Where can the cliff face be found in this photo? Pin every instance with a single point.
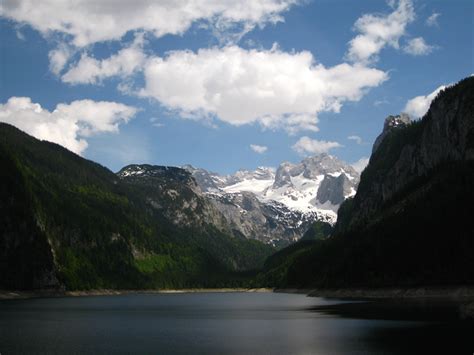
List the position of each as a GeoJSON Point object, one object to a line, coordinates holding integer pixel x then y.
{"type": "Point", "coordinates": [278, 206]}
{"type": "Point", "coordinates": [410, 222]}
{"type": "Point", "coordinates": [334, 189]}
{"type": "Point", "coordinates": [174, 193]}
{"type": "Point", "coordinates": [272, 223]}
{"type": "Point", "coordinates": [407, 152]}
{"type": "Point", "coordinates": [391, 124]}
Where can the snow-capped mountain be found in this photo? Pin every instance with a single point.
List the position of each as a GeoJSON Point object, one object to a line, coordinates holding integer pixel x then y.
{"type": "Point", "coordinates": [215, 183]}
{"type": "Point", "coordinates": [286, 200]}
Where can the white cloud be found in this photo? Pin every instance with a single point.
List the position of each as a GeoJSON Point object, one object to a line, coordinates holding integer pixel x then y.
{"type": "Point", "coordinates": [433, 20]}
{"type": "Point", "coordinates": [91, 71]}
{"type": "Point", "coordinates": [378, 31]}
{"type": "Point", "coordinates": [360, 165]}
{"type": "Point", "coordinates": [260, 149]}
{"type": "Point", "coordinates": [58, 58]}
{"type": "Point", "coordinates": [417, 46]}
{"type": "Point", "coordinates": [307, 145]}
{"type": "Point", "coordinates": [355, 138]}
{"type": "Point", "coordinates": [273, 88]}
{"type": "Point", "coordinates": [418, 106]}
{"type": "Point", "coordinates": [89, 22]}
{"type": "Point", "coordinates": [67, 124]}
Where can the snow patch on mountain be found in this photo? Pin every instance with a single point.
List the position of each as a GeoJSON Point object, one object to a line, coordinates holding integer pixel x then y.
{"type": "Point", "coordinates": [316, 186]}
{"type": "Point", "coordinates": [252, 185]}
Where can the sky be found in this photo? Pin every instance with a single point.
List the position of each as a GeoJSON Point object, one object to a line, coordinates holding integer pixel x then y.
{"type": "Point", "coordinates": [225, 85]}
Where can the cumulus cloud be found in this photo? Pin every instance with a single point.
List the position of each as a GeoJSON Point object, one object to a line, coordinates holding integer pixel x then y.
{"type": "Point", "coordinates": [260, 149]}
{"type": "Point", "coordinates": [355, 138]}
{"type": "Point", "coordinates": [306, 145]}
{"type": "Point", "coordinates": [89, 22]}
{"type": "Point", "coordinates": [433, 20]}
{"type": "Point", "coordinates": [377, 31]}
{"type": "Point", "coordinates": [417, 46]}
{"type": "Point", "coordinates": [91, 71]}
{"type": "Point", "coordinates": [418, 106]}
{"type": "Point", "coordinates": [68, 124]}
{"type": "Point", "coordinates": [273, 88]}
{"type": "Point", "coordinates": [360, 164]}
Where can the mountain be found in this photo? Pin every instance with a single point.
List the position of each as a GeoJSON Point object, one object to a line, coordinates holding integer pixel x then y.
{"type": "Point", "coordinates": [391, 124]}
{"type": "Point", "coordinates": [173, 193]}
{"type": "Point", "coordinates": [410, 222]}
{"type": "Point", "coordinates": [67, 222]}
{"type": "Point", "coordinates": [278, 207]}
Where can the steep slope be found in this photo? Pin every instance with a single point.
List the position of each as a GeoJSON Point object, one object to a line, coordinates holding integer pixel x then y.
{"type": "Point", "coordinates": [318, 184]}
{"type": "Point", "coordinates": [173, 193]}
{"type": "Point", "coordinates": [409, 157]}
{"type": "Point", "coordinates": [277, 207]}
{"type": "Point", "coordinates": [275, 270]}
{"type": "Point", "coordinates": [410, 223]}
{"type": "Point", "coordinates": [68, 222]}
{"type": "Point", "coordinates": [272, 222]}
{"type": "Point", "coordinates": [391, 124]}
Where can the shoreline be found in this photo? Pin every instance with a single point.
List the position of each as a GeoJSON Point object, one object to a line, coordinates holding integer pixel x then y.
{"type": "Point", "coordinates": [452, 293]}
{"type": "Point", "coordinates": [433, 292]}
{"type": "Point", "coordinates": [13, 294]}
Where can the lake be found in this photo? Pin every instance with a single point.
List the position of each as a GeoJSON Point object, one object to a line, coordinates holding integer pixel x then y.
{"type": "Point", "coordinates": [222, 323]}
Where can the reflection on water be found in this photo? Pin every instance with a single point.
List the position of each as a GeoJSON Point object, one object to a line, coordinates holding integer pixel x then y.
{"type": "Point", "coordinates": [240, 323]}
{"type": "Point", "coordinates": [419, 326]}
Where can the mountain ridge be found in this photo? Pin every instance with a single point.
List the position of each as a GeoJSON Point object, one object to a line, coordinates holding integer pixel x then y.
{"type": "Point", "coordinates": [410, 222]}
{"type": "Point", "coordinates": [69, 222]}
{"type": "Point", "coordinates": [281, 204]}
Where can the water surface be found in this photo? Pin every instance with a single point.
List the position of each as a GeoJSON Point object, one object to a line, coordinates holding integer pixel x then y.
{"type": "Point", "coordinates": [219, 323]}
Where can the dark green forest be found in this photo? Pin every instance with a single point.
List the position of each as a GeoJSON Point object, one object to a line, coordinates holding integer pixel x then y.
{"type": "Point", "coordinates": [423, 234]}
{"type": "Point", "coordinates": [69, 222]}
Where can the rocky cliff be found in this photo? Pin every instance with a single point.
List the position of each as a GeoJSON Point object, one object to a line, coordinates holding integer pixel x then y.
{"type": "Point", "coordinates": [277, 207]}
{"type": "Point", "coordinates": [407, 152]}
{"type": "Point", "coordinates": [174, 193]}
{"type": "Point", "coordinates": [410, 222]}
{"type": "Point", "coordinates": [392, 123]}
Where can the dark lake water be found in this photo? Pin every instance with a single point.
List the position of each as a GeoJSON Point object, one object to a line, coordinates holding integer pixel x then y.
{"type": "Point", "coordinates": [224, 323]}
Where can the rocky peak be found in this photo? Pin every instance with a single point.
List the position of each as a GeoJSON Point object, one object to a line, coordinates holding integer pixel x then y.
{"type": "Point", "coordinates": [162, 173]}
{"type": "Point", "coordinates": [323, 164]}
{"type": "Point", "coordinates": [443, 137]}
{"type": "Point", "coordinates": [335, 189]}
{"type": "Point", "coordinates": [153, 171]}
{"type": "Point", "coordinates": [206, 180]}
{"type": "Point", "coordinates": [246, 197]}
{"type": "Point", "coordinates": [396, 121]}
{"type": "Point", "coordinates": [264, 173]}
{"type": "Point", "coordinates": [261, 173]}
{"type": "Point", "coordinates": [283, 175]}
{"type": "Point", "coordinates": [312, 168]}
{"type": "Point", "coordinates": [391, 123]}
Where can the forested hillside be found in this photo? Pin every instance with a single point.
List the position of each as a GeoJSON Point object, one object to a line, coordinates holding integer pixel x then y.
{"type": "Point", "coordinates": [69, 222]}
{"type": "Point", "coordinates": [411, 221]}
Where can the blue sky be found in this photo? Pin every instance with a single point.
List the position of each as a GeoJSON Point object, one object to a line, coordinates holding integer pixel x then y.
{"type": "Point", "coordinates": [203, 84]}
